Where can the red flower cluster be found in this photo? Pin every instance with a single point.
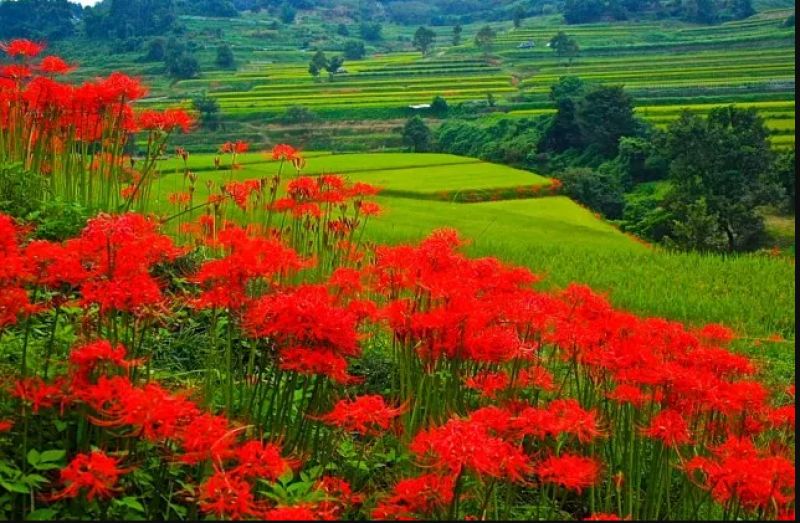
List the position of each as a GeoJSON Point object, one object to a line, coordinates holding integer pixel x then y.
{"type": "Point", "coordinates": [368, 415]}
{"type": "Point", "coordinates": [737, 470]}
{"type": "Point", "coordinates": [95, 474]}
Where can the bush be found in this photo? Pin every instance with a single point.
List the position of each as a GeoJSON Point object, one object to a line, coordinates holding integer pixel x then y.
{"type": "Point", "coordinates": [298, 114]}
{"type": "Point", "coordinates": [20, 190]}
{"type": "Point", "coordinates": [599, 190]}
{"type": "Point", "coordinates": [354, 50]}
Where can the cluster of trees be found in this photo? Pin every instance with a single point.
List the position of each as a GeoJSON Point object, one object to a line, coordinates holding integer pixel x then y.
{"type": "Point", "coordinates": [124, 19]}
{"type": "Point", "coordinates": [713, 176]}
{"type": "Point", "coordinates": [699, 11]}
{"type": "Point", "coordinates": [179, 58]}
{"type": "Point", "coordinates": [48, 20]}
{"type": "Point", "coordinates": [320, 62]}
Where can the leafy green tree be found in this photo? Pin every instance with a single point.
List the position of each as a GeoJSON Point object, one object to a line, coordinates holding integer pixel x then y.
{"type": "Point", "coordinates": [354, 50]}
{"type": "Point", "coordinates": [519, 15]}
{"type": "Point", "coordinates": [604, 115]}
{"type": "Point", "coordinates": [564, 132]}
{"type": "Point", "coordinates": [723, 160]}
{"type": "Point", "coordinates": [583, 11]}
{"type": "Point", "coordinates": [48, 20]}
{"type": "Point", "coordinates": [598, 189]}
{"type": "Point", "coordinates": [697, 230]}
{"type": "Point", "coordinates": [371, 31]}
{"type": "Point", "coordinates": [490, 100]}
{"type": "Point", "coordinates": [417, 136]}
{"type": "Point", "coordinates": [785, 174]}
{"type": "Point", "coordinates": [342, 30]}
{"type": "Point", "coordinates": [439, 105]}
{"type": "Point", "coordinates": [564, 46]}
{"type": "Point", "coordinates": [287, 14]}
{"type": "Point", "coordinates": [457, 30]}
{"type": "Point", "coordinates": [298, 114]}
{"type": "Point", "coordinates": [156, 50]}
{"type": "Point", "coordinates": [334, 64]}
{"type": "Point", "coordinates": [319, 62]}
{"type": "Point", "coordinates": [121, 19]}
{"type": "Point", "coordinates": [485, 38]}
{"type": "Point", "coordinates": [208, 111]}
{"type": "Point", "coordinates": [225, 58]}
{"type": "Point", "coordinates": [423, 40]}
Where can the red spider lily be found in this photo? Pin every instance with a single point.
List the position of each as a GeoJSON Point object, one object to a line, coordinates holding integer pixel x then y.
{"type": "Point", "coordinates": [165, 121]}
{"type": "Point", "coordinates": [179, 198]}
{"type": "Point", "coordinates": [240, 191]}
{"type": "Point", "coordinates": [783, 416]}
{"type": "Point", "coordinates": [227, 496]}
{"type": "Point", "coordinates": [119, 252]}
{"type": "Point", "coordinates": [87, 358]}
{"type": "Point", "coordinates": [38, 394]}
{"type": "Point", "coordinates": [316, 362]}
{"type": "Point", "coordinates": [297, 513]}
{"type": "Point", "coordinates": [152, 413]}
{"type": "Point", "coordinates": [225, 280]}
{"type": "Point", "coordinates": [6, 425]}
{"type": "Point", "coordinates": [601, 516]}
{"type": "Point", "coordinates": [206, 437]}
{"type": "Point", "coordinates": [367, 415]}
{"type": "Point", "coordinates": [55, 65]}
{"type": "Point", "coordinates": [464, 444]}
{"type": "Point", "coordinates": [284, 152]}
{"type": "Point", "coordinates": [669, 427]}
{"type": "Point", "coordinates": [238, 147]}
{"type": "Point", "coordinates": [260, 460]}
{"type": "Point", "coordinates": [738, 471]}
{"type": "Point", "coordinates": [305, 316]}
{"type": "Point", "coordinates": [624, 393]}
{"type": "Point", "coordinates": [489, 383]}
{"type": "Point", "coordinates": [22, 47]}
{"type": "Point", "coordinates": [339, 497]}
{"type": "Point", "coordinates": [53, 265]}
{"type": "Point", "coordinates": [570, 471]}
{"type": "Point", "coordinates": [369, 209]}
{"type": "Point", "coordinates": [95, 474]}
{"type": "Point", "coordinates": [416, 497]}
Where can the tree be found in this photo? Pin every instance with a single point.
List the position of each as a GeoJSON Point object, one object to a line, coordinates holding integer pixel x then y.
{"type": "Point", "coordinates": [342, 30]}
{"type": "Point", "coordinates": [564, 132]}
{"type": "Point", "coordinates": [564, 46]}
{"type": "Point", "coordinates": [183, 65]}
{"type": "Point", "coordinates": [334, 64]}
{"type": "Point", "coordinates": [490, 100]}
{"type": "Point", "coordinates": [604, 115]}
{"type": "Point", "coordinates": [156, 50]}
{"type": "Point", "coordinates": [583, 11]}
{"type": "Point", "coordinates": [785, 174]}
{"type": "Point", "coordinates": [599, 190]}
{"type": "Point", "coordinates": [417, 136]}
{"type": "Point", "coordinates": [485, 38]}
{"type": "Point", "coordinates": [47, 20]}
{"type": "Point", "coordinates": [742, 9]}
{"type": "Point", "coordinates": [457, 30]}
{"type": "Point", "coordinates": [439, 105]}
{"type": "Point", "coordinates": [225, 58]}
{"type": "Point", "coordinates": [208, 109]}
{"type": "Point", "coordinates": [723, 160]}
{"type": "Point", "coordinates": [287, 14]}
{"type": "Point", "coordinates": [354, 50]}
{"type": "Point", "coordinates": [519, 15]}
{"type": "Point", "coordinates": [298, 114]}
{"type": "Point", "coordinates": [121, 19]}
{"type": "Point", "coordinates": [371, 31]}
{"type": "Point", "coordinates": [319, 62]}
{"type": "Point", "coordinates": [423, 40]}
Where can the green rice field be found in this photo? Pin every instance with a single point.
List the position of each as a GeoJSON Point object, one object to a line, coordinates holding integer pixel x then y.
{"type": "Point", "coordinates": [554, 236]}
